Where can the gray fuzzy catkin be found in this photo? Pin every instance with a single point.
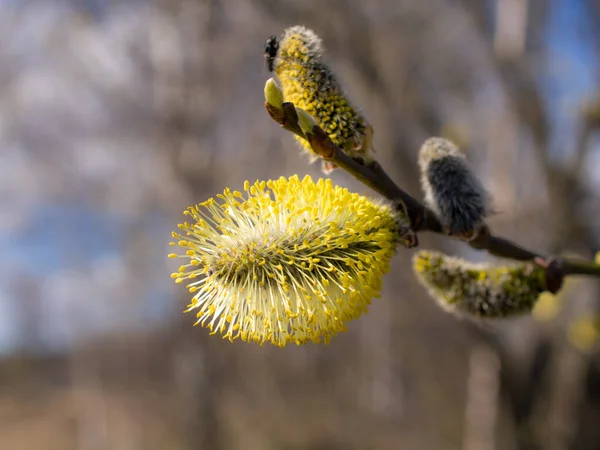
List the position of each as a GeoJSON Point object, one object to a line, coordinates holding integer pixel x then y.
{"type": "Point", "coordinates": [451, 188]}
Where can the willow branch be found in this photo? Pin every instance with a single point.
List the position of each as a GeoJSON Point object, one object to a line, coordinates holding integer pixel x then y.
{"type": "Point", "coordinates": [421, 218]}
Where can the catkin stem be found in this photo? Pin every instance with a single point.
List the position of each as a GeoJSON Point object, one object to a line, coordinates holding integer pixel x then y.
{"type": "Point", "coordinates": [574, 267]}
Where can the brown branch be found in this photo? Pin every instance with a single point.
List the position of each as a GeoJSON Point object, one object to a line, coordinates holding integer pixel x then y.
{"type": "Point", "coordinates": [501, 247]}
{"type": "Point", "coordinates": [373, 175]}
{"type": "Point", "coordinates": [421, 217]}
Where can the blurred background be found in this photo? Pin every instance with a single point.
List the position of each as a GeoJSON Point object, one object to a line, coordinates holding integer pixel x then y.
{"type": "Point", "coordinates": [116, 115]}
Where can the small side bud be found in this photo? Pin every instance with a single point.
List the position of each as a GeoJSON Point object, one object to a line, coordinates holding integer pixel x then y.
{"type": "Point", "coordinates": [306, 121]}
{"type": "Point", "coordinates": [452, 190]}
{"type": "Point", "coordinates": [478, 290]}
{"type": "Point", "coordinates": [273, 94]}
{"type": "Point", "coordinates": [405, 235]}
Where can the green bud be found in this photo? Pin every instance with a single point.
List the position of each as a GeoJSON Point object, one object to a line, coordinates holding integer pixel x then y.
{"type": "Point", "coordinates": [273, 94]}
{"type": "Point", "coordinates": [306, 121]}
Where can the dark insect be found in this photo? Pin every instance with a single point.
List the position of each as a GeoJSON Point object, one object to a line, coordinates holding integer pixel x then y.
{"type": "Point", "coordinates": [271, 47]}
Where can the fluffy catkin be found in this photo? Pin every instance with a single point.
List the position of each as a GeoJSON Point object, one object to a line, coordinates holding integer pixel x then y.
{"type": "Point", "coordinates": [287, 261]}
{"type": "Point", "coordinates": [479, 290]}
{"type": "Point", "coordinates": [451, 188]}
{"type": "Point", "coordinates": [311, 85]}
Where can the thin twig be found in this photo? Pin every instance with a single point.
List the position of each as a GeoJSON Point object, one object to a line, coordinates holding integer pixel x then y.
{"type": "Point", "coordinates": [421, 217]}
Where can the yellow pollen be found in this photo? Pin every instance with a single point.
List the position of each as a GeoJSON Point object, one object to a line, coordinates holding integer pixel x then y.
{"type": "Point", "coordinates": [286, 261]}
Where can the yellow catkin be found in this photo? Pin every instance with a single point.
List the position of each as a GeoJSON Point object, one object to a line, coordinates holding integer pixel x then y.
{"type": "Point", "coordinates": [479, 290]}
{"type": "Point", "coordinates": [287, 261]}
{"type": "Point", "coordinates": [310, 84]}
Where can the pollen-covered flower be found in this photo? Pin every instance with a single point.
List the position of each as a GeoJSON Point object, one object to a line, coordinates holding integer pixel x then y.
{"type": "Point", "coordinates": [311, 85]}
{"type": "Point", "coordinates": [289, 260]}
{"type": "Point", "coordinates": [477, 289]}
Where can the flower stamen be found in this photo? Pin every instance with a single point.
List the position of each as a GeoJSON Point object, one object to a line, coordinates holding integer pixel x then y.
{"type": "Point", "coordinates": [288, 262]}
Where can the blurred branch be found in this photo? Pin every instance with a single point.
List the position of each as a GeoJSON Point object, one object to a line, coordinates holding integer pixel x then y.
{"type": "Point", "coordinates": [589, 123]}
{"type": "Point", "coordinates": [562, 182]}
{"type": "Point", "coordinates": [421, 217]}
{"type": "Point", "coordinates": [511, 27]}
{"type": "Point", "coordinates": [482, 402]}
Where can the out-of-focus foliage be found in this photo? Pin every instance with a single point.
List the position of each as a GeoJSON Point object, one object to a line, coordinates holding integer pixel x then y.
{"type": "Point", "coordinates": [115, 116]}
